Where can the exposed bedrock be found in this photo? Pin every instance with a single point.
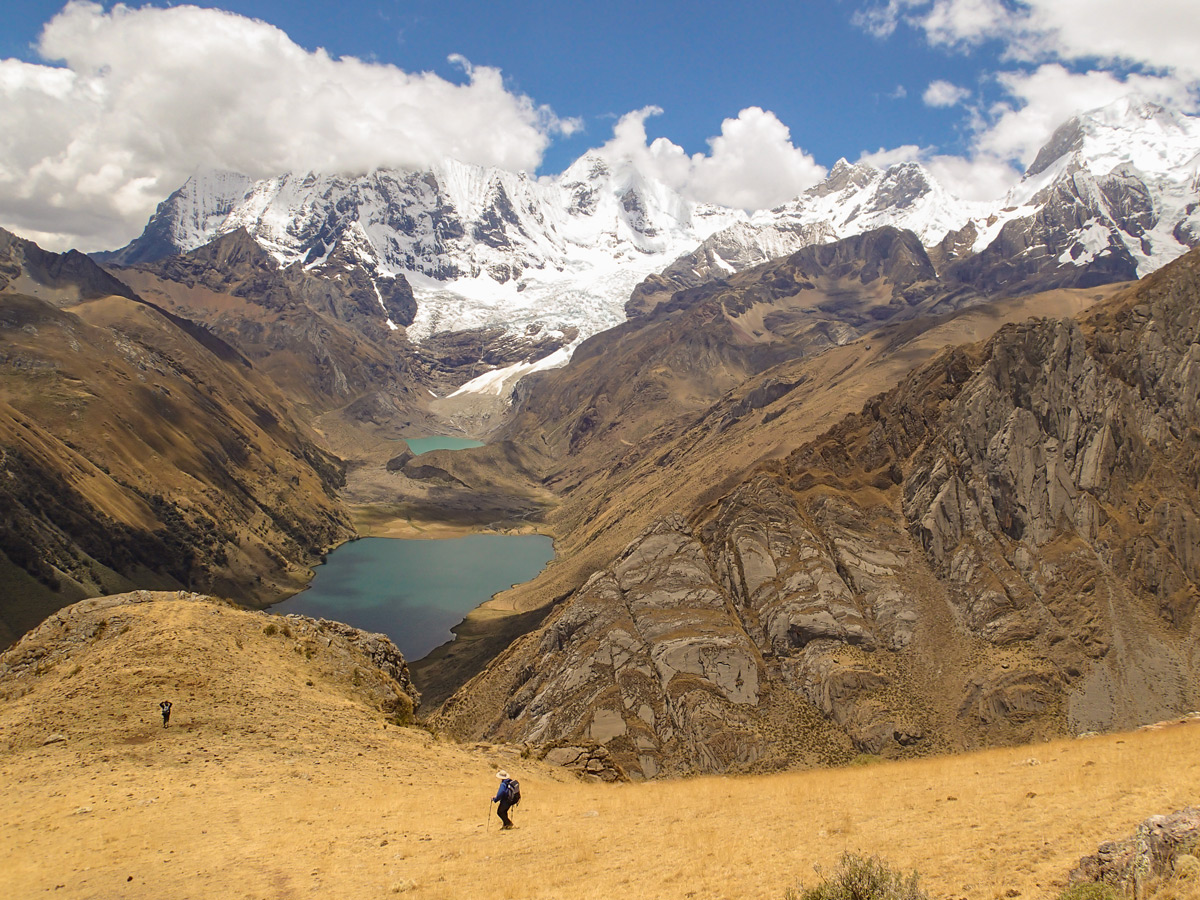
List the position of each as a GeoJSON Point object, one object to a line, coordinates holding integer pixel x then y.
{"type": "Point", "coordinates": [1004, 547]}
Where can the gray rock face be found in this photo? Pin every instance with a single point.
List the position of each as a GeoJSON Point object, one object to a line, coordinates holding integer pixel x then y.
{"type": "Point", "coordinates": [1004, 547]}
{"type": "Point", "coordinates": [1047, 249]}
{"type": "Point", "coordinates": [1152, 851]}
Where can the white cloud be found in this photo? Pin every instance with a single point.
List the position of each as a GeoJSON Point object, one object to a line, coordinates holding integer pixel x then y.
{"type": "Point", "coordinates": [1046, 97]}
{"type": "Point", "coordinates": [966, 21]}
{"type": "Point", "coordinates": [1160, 34]}
{"type": "Point", "coordinates": [944, 93]}
{"type": "Point", "coordinates": [143, 97]}
{"type": "Point", "coordinates": [1044, 45]}
{"type": "Point", "coordinates": [980, 177]}
{"type": "Point", "coordinates": [751, 164]}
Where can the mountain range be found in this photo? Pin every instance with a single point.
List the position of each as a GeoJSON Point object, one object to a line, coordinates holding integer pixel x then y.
{"type": "Point", "coordinates": [877, 472]}
{"type": "Point", "coordinates": [1110, 197]}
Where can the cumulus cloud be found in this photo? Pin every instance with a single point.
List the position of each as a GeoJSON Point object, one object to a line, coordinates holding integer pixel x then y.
{"type": "Point", "coordinates": [140, 98]}
{"type": "Point", "coordinates": [1061, 57]}
{"type": "Point", "coordinates": [1044, 98]}
{"type": "Point", "coordinates": [751, 164]}
{"type": "Point", "coordinates": [944, 93]}
{"type": "Point", "coordinates": [982, 177]}
{"type": "Point", "coordinates": [1159, 34]}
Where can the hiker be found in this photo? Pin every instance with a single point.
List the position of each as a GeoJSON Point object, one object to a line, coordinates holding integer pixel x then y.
{"type": "Point", "coordinates": [165, 706]}
{"type": "Point", "coordinates": [508, 796]}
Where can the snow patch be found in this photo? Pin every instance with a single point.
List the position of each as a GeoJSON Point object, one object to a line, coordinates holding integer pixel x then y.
{"type": "Point", "coordinates": [500, 382]}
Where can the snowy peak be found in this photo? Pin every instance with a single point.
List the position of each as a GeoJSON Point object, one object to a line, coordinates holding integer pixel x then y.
{"type": "Point", "coordinates": [482, 248]}
{"type": "Point", "coordinates": [1132, 131]}
{"type": "Point", "coordinates": [842, 177]}
{"type": "Point", "coordinates": [1114, 193]}
{"type": "Point", "coordinates": [1067, 138]}
{"type": "Point", "coordinates": [857, 198]}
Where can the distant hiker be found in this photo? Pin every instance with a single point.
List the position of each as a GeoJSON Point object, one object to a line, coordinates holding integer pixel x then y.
{"type": "Point", "coordinates": [508, 796]}
{"type": "Point", "coordinates": [165, 706]}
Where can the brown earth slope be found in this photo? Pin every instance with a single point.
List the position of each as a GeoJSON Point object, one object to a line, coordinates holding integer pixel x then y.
{"type": "Point", "coordinates": [140, 450]}
{"type": "Point", "coordinates": [280, 776]}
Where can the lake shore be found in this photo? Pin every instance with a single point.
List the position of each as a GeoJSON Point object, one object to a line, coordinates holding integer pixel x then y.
{"type": "Point", "coordinates": [375, 520]}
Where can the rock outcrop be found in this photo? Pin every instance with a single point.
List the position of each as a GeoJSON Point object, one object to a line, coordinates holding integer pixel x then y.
{"type": "Point", "coordinates": [1157, 848]}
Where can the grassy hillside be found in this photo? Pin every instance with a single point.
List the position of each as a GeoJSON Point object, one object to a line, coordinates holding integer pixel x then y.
{"type": "Point", "coordinates": [281, 777]}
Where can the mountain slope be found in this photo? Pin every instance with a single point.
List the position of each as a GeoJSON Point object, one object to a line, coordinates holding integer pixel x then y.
{"type": "Point", "coordinates": [141, 450]}
{"type": "Point", "coordinates": [662, 369]}
{"type": "Point", "coordinates": [998, 549]}
{"type": "Point", "coordinates": [281, 776]}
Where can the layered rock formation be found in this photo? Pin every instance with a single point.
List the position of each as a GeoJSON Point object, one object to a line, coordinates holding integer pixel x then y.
{"type": "Point", "coordinates": [1001, 548]}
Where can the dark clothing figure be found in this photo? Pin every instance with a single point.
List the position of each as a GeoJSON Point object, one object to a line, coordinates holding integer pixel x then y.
{"type": "Point", "coordinates": [504, 799]}
{"type": "Point", "coordinates": [165, 706]}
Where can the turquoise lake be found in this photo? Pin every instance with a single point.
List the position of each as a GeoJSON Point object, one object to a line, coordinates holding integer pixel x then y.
{"type": "Point", "coordinates": [425, 444]}
{"type": "Point", "coordinates": [416, 591]}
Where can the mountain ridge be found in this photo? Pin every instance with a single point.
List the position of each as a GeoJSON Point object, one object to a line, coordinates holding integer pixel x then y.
{"type": "Point", "coordinates": [490, 249]}
{"type": "Point", "coordinates": [965, 560]}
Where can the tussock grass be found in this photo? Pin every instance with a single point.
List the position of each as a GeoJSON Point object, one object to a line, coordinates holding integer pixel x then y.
{"type": "Point", "coordinates": [274, 781]}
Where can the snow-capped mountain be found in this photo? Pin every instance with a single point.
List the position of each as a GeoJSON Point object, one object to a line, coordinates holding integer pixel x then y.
{"type": "Point", "coordinates": [1131, 170]}
{"type": "Point", "coordinates": [1114, 194]}
{"type": "Point", "coordinates": [853, 199]}
{"type": "Point", "coordinates": [481, 247]}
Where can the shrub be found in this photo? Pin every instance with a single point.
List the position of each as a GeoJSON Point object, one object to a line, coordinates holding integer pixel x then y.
{"type": "Point", "coordinates": [863, 878]}
{"type": "Point", "coordinates": [269, 629]}
{"type": "Point", "coordinates": [1090, 890]}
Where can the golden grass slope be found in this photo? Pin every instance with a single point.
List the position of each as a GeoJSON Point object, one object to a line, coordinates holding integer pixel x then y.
{"type": "Point", "coordinates": [267, 785]}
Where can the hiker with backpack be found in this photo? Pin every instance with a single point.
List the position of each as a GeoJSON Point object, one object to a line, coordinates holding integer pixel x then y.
{"type": "Point", "coordinates": [508, 796]}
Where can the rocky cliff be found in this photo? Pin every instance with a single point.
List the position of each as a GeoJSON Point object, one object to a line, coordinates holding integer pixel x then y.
{"type": "Point", "coordinates": [1000, 548]}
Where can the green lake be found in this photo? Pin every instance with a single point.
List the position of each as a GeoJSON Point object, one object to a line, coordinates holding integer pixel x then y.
{"type": "Point", "coordinates": [425, 444]}
{"type": "Point", "coordinates": [415, 591]}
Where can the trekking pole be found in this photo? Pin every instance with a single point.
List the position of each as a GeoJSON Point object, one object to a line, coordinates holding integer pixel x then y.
{"type": "Point", "coordinates": [488, 822]}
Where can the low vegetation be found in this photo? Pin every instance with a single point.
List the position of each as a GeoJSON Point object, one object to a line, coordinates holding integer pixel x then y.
{"type": "Point", "coordinates": [859, 877]}
{"type": "Point", "coordinates": [279, 776]}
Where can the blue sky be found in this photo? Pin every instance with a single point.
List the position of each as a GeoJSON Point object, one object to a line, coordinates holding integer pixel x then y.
{"type": "Point", "coordinates": [115, 106]}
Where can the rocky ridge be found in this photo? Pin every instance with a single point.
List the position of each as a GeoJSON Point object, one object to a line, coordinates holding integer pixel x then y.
{"type": "Point", "coordinates": [999, 549]}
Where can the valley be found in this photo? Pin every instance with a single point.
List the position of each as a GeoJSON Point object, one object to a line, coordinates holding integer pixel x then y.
{"type": "Point", "coordinates": [768, 434]}
{"type": "Point", "coordinates": [851, 490]}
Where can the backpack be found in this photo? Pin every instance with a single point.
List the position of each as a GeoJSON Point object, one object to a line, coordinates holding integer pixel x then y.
{"type": "Point", "coordinates": [513, 792]}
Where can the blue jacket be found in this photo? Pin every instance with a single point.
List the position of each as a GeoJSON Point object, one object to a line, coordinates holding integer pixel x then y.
{"type": "Point", "coordinates": [502, 794]}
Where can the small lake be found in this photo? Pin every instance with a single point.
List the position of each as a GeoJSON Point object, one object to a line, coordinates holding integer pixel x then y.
{"type": "Point", "coordinates": [425, 444]}
{"type": "Point", "coordinates": [415, 591]}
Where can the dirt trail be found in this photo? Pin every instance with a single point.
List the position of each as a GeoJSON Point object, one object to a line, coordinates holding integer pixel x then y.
{"type": "Point", "coordinates": [268, 786]}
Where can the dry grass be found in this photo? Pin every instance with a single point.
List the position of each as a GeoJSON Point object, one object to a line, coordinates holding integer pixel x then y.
{"type": "Point", "coordinates": [265, 786]}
